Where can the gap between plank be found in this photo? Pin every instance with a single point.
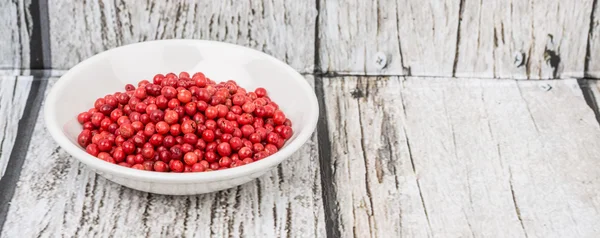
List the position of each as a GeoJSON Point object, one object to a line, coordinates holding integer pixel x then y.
{"type": "Point", "coordinates": [588, 95]}
{"type": "Point", "coordinates": [329, 196]}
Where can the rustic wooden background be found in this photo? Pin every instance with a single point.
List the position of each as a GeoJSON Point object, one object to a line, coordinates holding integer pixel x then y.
{"type": "Point", "coordinates": [417, 137]}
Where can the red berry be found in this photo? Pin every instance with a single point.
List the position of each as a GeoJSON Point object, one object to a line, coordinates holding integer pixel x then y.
{"type": "Point", "coordinates": [169, 141]}
{"type": "Point", "coordinates": [128, 147]}
{"type": "Point", "coordinates": [210, 156]}
{"type": "Point", "coordinates": [198, 167]}
{"type": "Point", "coordinates": [270, 149]}
{"type": "Point", "coordinates": [175, 130]}
{"type": "Point", "coordinates": [176, 153]}
{"type": "Point", "coordinates": [245, 119]}
{"type": "Point", "coordinates": [118, 154]}
{"type": "Point", "coordinates": [176, 166]}
{"type": "Point", "coordinates": [188, 127]}
{"type": "Point", "coordinates": [84, 138]}
{"type": "Point", "coordinates": [286, 132]}
{"type": "Point", "coordinates": [224, 149]}
{"type": "Point", "coordinates": [169, 92]}
{"type": "Point", "coordinates": [156, 115]}
{"type": "Point", "coordinates": [211, 112]}
{"type": "Point", "coordinates": [162, 127]}
{"type": "Point", "coordinates": [260, 92]}
{"type": "Point", "coordinates": [273, 138]}
{"type": "Point", "coordinates": [190, 158]}
{"type": "Point", "coordinates": [260, 155]}
{"type": "Point", "coordinates": [248, 107]}
{"type": "Point", "coordinates": [208, 135]}
{"type": "Point", "coordinates": [96, 118]}
{"type": "Point", "coordinates": [148, 153]}
{"type": "Point", "coordinates": [160, 166]}
{"type": "Point", "coordinates": [222, 110]}
{"type": "Point", "coordinates": [92, 149]}
{"type": "Point", "coordinates": [245, 152]}
{"type": "Point", "coordinates": [84, 117]}
{"type": "Point", "coordinates": [279, 117]}
{"type": "Point", "coordinates": [171, 117]}
{"type": "Point", "coordinates": [184, 96]}
{"type": "Point", "coordinates": [225, 161]}
{"type": "Point", "coordinates": [156, 139]}
{"type": "Point", "coordinates": [258, 147]}
{"type": "Point", "coordinates": [140, 93]}
{"type": "Point", "coordinates": [104, 145]}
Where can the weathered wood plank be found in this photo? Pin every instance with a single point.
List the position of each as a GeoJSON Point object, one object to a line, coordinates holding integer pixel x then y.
{"type": "Point", "coordinates": [14, 37]}
{"type": "Point", "coordinates": [284, 29]}
{"type": "Point", "coordinates": [592, 66]}
{"type": "Point", "coordinates": [463, 158]}
{"type": "Point", "coordinates": [58, 196]}
{"type": "Point", "coordinates": [523, 39]}
{"type": "Point", "coordinates": [13, 97]}
{"type": "Point", "coordinates": [496, 39]}
{"type": "Point", "coordinates": [415, 37]}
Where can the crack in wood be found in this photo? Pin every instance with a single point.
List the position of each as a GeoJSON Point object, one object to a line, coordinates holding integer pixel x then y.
{"type": "Point", "coordinates": [412, 163]}
{"type": "Point", "coordinates": [406, 69]}
{"type": "Point", "coordinates": [288, 220]}
{"type": "Point", "coordinates": [258, 194]}
{"type": "Point", "coordinates": [528, 108]}
{"type": "Point", "coordinates": [213, 212]}
{"type": "Point", "coordinates": [146, 213]}
{"type": "Point", "coordinates": [43, 230]}
{"type": "Point", "coordinates": [372, 227]}
{"type": "Point", "coordinates": [456, 48]}
{"type": "Point", "coordinates": [280, 175]}
{"type": "Point", "coordinates": [514, 200]}
{"type": "Point", "coordinates": [586, 63]}
{"type": "Point", "coordinates": [188, 204]}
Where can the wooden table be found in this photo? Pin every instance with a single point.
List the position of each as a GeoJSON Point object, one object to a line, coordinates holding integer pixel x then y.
{"type": "Point", "coordinates": [425, 129]}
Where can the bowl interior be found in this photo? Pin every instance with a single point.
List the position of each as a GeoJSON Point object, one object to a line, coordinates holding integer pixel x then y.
{"type": "Point", "coordinates": [109, 71]}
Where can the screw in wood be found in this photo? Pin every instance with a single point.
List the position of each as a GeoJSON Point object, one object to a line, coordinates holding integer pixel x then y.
{"type": "Point", "coordinates": [519, 58]}
{"type": "Point", "coordinates": [380, 60]}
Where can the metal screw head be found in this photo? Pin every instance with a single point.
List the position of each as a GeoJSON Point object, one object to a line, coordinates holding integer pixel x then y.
{"type": "Point", "coordinates": [519, 59]}
{"type": "Point", "coordinates": [380, 60]}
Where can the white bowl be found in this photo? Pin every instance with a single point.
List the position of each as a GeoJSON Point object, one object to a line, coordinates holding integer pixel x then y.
{"type": "Point", "coordinates": [109, 71]}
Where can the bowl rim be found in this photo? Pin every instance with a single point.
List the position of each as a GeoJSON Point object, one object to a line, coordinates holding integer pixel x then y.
{"type": "Point", "coordinates": [120, 171]}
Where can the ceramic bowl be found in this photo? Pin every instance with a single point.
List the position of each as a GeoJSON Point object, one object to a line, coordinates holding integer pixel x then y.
{"type": "Point", "coordinates": [110, 71]}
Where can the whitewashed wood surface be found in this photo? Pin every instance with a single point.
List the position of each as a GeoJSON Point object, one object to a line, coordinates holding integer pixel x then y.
{"type": "Point", "coordinates": [463, 158]}
{"type": "Point", "coordinates": [57, 196]}
{"type": "Point", "coordinates": [14, 37]}
{"type": "Point", "coordinates": [284, 29]}
{"type": "Point", "coordinates": [469, 38]}
{"type": "Point", "coordinates": [486, 39]}
{"type": "Point", "coordinates": [13, 97]}
{"type": "Point", "coordinates": [409, 156]}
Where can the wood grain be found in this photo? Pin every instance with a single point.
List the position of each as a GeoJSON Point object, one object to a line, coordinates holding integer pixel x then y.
{"type": "Point", "coordinates": [463, 158]}
{"type": "Point", "coordinates": [14, 37]}
{"type": "Point", "coordinates": [533, 39]}
{"type": "Point", "coordinates": [284, 29]}
{"type": "Point", "coordinates": [57, 196]}
{"type": "Point", "coordinates": [13, 97]}
{"type": "Point", "coordinates": [416, 37]}
{"type": "Point", "coordinates": [523, 39]}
